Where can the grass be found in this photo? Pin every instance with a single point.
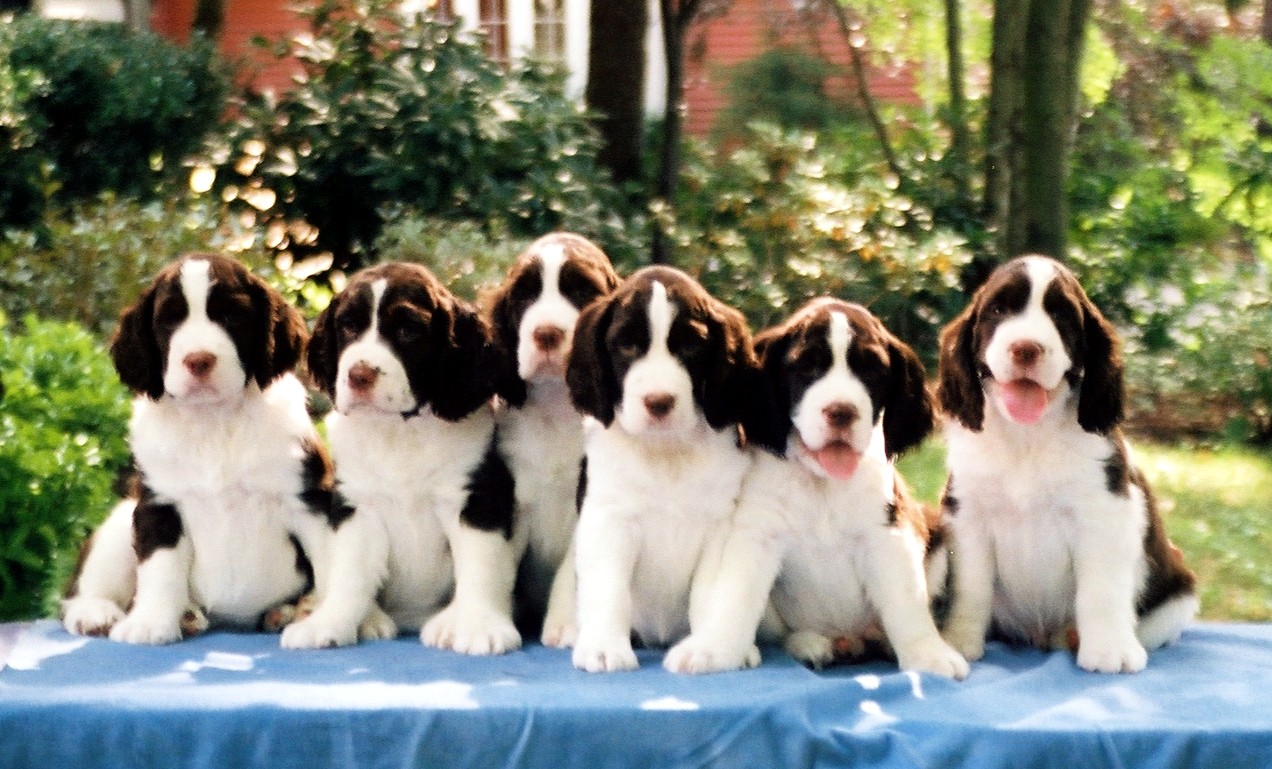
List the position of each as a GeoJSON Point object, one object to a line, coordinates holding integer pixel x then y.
{"type": "Point", "coordinates": [1217, 504]}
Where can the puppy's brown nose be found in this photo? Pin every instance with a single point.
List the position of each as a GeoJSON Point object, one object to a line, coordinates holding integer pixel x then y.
{"type": "Point", "coordinates": [362, 377]}
{"type": "Point", "coordinates": [659, 405]}
{"type": "Point", "coordinates": [840, 415]}
{"type": "Point", "coordinates": [548, 338]}
{"type": "Point", "coordinates": [199, 364]}
{"type": "Point", "coordinates": [1025, 352]}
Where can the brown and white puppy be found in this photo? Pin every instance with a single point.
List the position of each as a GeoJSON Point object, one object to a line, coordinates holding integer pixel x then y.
{"type": "Point", "coordinates": [233, 478]}
{"type": "Point", "coordinates": [539, 431]}
{"type": "Point", "coordinates": [424, 502]}
{"type": "Point", "coordinates": [1054, 529]}
{"type": "Point", "coordinates": [824, 522]}
{"type": "Point", "coordinates": [664, 369]}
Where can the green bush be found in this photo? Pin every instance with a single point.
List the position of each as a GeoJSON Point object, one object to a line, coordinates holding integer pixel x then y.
{"type": "Point", "coordinates": [780, 221]}
{"type": "Point", "coordinates": [62, 443]}
{"type": "Point", "coordinates": [785, 86]}
{"type": "Point", "coordinates": [396, 114]}
{"type": "Point", "coordinates": [97, 259]}
{"type": "Point", "coordinates": [115, 110]}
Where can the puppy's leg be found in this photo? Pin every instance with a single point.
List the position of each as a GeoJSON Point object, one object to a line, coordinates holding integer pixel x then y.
{"type": "Point", "coordinates": [163, 578]}
{"type": "Point", "coordinates": [605, 554]}
{"type": "Point", "coordinates": [559, 626]}
{"type": "Point", "coordinates": [971, 604]}
{"type": "Point", "coordinates": [729, 596]}
{"type": "Point", "coordinates": [350, 563]}
{"type": "Point", "coordinates": [897, 587]}
{"type": "Point", "coordinates": [106, 577]}
{"type": "Point", "coordinates": [1108, 568]}
{"type": "Point", "coordinates": [479, 617]}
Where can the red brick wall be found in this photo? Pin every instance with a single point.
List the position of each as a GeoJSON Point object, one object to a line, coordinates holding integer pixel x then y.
{"type": "Point", "coordinates": [244, 19]}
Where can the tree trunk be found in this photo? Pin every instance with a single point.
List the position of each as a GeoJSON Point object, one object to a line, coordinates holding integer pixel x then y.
{"type": "Point", "coordinates": [137, 15]}
{"type": "Point", "coordinates": [1037, 50]}
{"type": "Point", "coordinates": [676, 17]}
{"type": "Point", "coordinates": [959, 139]}
{"type": "Point", "coordinates": [209, 18]}
{"type": "Point", "coordinates": [616, 83]}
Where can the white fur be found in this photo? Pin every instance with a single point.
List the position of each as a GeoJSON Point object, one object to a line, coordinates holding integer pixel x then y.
{"type": "Point", "coordinates": [822, 546]}
{"type": "Point", "coordinates": [1040, 542]}
{"type": "Point", "coordinates": [405, 543]}
{"type": "Point", "coordinates": [659, 496]}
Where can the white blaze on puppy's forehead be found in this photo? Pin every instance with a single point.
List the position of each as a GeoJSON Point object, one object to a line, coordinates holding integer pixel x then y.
{"type": "Point", "coordinates": [196, 282]}
{"type": "Point", "coordinates": [1041, 272]}
{"type": "Point", "coordinates": [661, 313]}
{"type": "Point", "coordinates": [551, 257]}
{"type": "Point", "coordinates": [378, 287]}
{"type": "Point", "coordinates": [840, 338]}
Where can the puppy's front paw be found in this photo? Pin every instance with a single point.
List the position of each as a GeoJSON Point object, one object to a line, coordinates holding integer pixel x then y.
{"type": "Point", "coordinates": [318, 631]}
{"type": "Point", "coordinates": [471, 630]}
{"type": "Point", "coordinates": [968, 639]}
{"type": "Point", "coordinates": [933, 656]}
{"type": "Point", "coordinates": [604, 655]}
{"type": "Point", "coordinates": [139, 629]}
{"type": "Point", "coordinates": [88, 615]}
{"type": "Point", "coordinates": [377, 625]}
{"type": "Point", "coordinates": [697, 655]}
{"type": "Point", "coordinates": [1100, 654]}
{"type": "Point", "coordinates": [812, 649]}
{"type": "Point", "coordinates": [558, 633]}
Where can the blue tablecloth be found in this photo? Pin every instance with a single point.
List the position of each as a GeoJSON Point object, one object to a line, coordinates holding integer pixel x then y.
{"type": "Point", "coordinates": [228, 700]}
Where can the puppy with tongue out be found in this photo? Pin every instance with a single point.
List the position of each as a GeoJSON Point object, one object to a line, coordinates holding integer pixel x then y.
{"type": "Point", "coordinates": [826, 536]}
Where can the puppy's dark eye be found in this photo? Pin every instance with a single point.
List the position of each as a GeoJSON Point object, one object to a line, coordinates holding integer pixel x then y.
{"type": "Point", "coordinates": [169, 313]}
{"type": "Point", "coordinates": [347, 330]}
{"type": "Point", "coordinates": [689, 339]}
{"type": "Point", "coordinates": [578, 290]}
{"type": "Point", "coordinates": [409, 333]}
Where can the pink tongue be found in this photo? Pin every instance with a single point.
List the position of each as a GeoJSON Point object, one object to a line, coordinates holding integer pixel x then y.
{"type": "Point", "coordinates": [1025, 400]}
{"type": "Point", "coordinates": [838, 460]}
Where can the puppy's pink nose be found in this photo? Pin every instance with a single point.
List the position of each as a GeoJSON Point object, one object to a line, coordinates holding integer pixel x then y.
{"type": "Point", "coordinates": [199, 364]}
{"type": "Point", "coordinates": [1025, 352]}
{"type": "Point", "coordinates": [548, 338]}
{"type": "Point", "coordinates": [840, 415]}
{"type": "Point", "coordinates": [659, 405]}
{"type": "Point", "coordinates": [362, 377]}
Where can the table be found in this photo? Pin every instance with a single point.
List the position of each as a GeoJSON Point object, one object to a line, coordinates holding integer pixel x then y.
{"type": "Point", "coordinates": [228, 700]}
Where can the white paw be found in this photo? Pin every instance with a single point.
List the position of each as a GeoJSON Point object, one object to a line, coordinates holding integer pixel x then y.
{"type": "Point", "coordinates": [968, 639]}
{"type": "Point", "coordinates": [138, 629]}
{"type": "Point", "coordinates": [88, 615]}
{"type": "Point", "coordinates": [810, 648]}
{"type": "Point", "coordinates": [560, 634]}
{"type": "Point", "coordinates": [471, 630]}
{"type": "Point", "coordinates": [601, 655]}
{"type": "Point", "coordinates": [697, 655]}
{"type": "Point", "coordinates": [1111, 655]}
{"type": "Point", "coordinates": [933, 656]}
{"type": "Point", "coordinates": [377, 626]}
{"type": "Point", "coordinates": [317, 631]}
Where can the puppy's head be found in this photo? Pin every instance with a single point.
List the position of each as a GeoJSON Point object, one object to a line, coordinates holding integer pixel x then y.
{"type": "Point", "coordinates": [1028, 340]}
{"type": "Point", "coordinates": [661, 356]}
{"type": "Point", "coordinates": [533, 313]}
{"type": "Point", "coordinates": [204, 329]}
{"type": "Point", "coordinates": [395, 341]}
{"type": "Point", "coordinates": [834, 377]}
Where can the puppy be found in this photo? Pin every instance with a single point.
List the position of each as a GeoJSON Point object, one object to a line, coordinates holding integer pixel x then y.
{"type": "Point", "coordinates": [539, 432]}
{"type": "Point", "coordinates": [664, 369]}
{"type": "Point", "coordinates": [424, 503]}
{"type": "Point", "coordinates": [824, 521]}
{"type": "Point", "coordinates": [1054, 530]}
{"type": "Point", "coordinates": [233, 478]}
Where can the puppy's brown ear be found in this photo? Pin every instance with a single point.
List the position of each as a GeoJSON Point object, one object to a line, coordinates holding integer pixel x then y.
{"type": "Point", "coordinates": [1101, 400]}
{"type": "Point", "coordinates": [507, 382]}
{"type": "Point", "coordinates": [768, 420]}
{"type": "Point", "coordinates": [958, 388]}
{"type": "Point", "coordinates": [135, 350]}
{"type": "Point", "coordinates": [589, 376]}
{"type": "Point", "coordinates": [321, 356]}
{"type": "Point", "coordinates": [279, 351]}
{"type": "Point", "coordinates": [461, 380]}
{"type": "Point", "coordinates": [907, 414]}
{"type": "Point", "coordinates": [725, 392]}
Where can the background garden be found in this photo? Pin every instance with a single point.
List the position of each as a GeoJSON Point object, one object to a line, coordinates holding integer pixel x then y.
{"type": "Point", "coordinates": [401, 140]}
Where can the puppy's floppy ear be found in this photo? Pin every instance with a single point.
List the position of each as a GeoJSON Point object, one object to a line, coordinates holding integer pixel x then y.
{"type": "Point", "coordinates": [135, 350]}
{"type": "Point", "coordinates": [1102, 397]}
{"type": "Point", "coordinates": [768, 421]}
{"type": "Point", "coordinates": [727, 390]}
{"type": "Point", "coordinates": [278, 351]}
{"type": "Point", "coordinates": [907, 415]}
{"type": "Point", "coordinates": [507, 382]}
{"type": "Point", "coordinates": [321, 356]}
{"type": "Point", "coordinates": [461, 380]}
{"type": "Point", "coordinates": [588, 372]}
{"type": "Point", "coordinates": [958, 389]}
